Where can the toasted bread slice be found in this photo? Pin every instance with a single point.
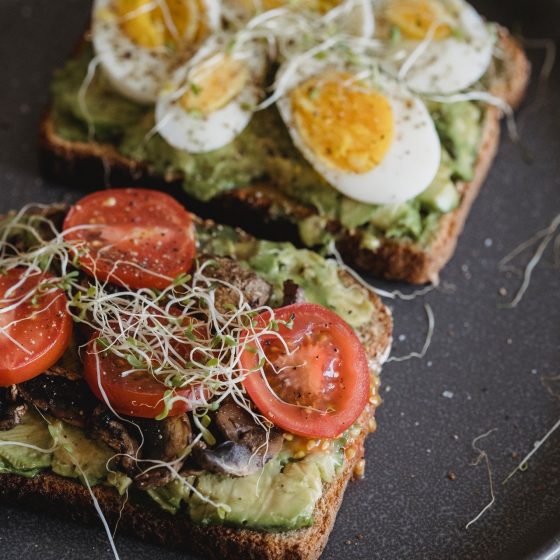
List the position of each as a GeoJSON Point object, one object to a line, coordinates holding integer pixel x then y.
{"type": "Point", "coordinates": [139, 516]}
{"type": "Point", "coordinates": [253, 207]}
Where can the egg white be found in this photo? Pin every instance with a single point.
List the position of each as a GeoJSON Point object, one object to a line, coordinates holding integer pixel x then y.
{"type": "Point", "coordinates": [412, 160]}
{"type": "Point", "coordinates": [452, 64]}
{"type": "Point", "coordinates": [134, 71]}
{"type": "Point", "coordinates": [354, 17]}
{"type": "Point", "coordinates": [203, 133]}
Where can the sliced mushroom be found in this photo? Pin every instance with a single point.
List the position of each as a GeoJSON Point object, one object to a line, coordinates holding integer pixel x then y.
{"type": "Point", "coordinates": [116, 435]}
{"type": "Point", "coordinates": [61, 371]}
{"type": "Point", "coordinates": [256, 291]}
{"type": "Point", "coordinates": [63, 398]}
{"type": "Point", "coordinates": [11, 411]}
{"type": "Point", "coordinates": [247, 449]}
{"type": "Point", "coordinates": [293, 293]}
{"type": "Point", "coordinates": [229, 458]}
{"type": "Point", "coordinates": [153, 478]}
{"type": "Point", "coordinates": [11, 416]}
{"type": "Point", "coordinates": [164, 440]}
{"type": "Point", "coordinates": [237, 425]}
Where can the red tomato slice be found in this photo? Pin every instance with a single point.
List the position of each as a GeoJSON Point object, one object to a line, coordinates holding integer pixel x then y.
{"type": "Point", "coordinates": [321, 387]}
{"type": "Point", "coordinates": [135, 394]}
{"type": "Point", "coordinates": [149, 230]}
{"type": "Point", "coordinates": [41, 326]}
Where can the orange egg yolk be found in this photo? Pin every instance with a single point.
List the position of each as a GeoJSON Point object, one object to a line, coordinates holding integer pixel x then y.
{"type": "Point", "coordinates": [214, 83]}
{"type": "Point", "coordinates": [169, 23]}
{"type": "Point", "coordinates": [416, 18]}
{"type": "Point", "coordinates": [255, 6]}
{"type": "Point", "coordinates": [348, 125]}
{"type": "Point", "coordinates": [321, 6]}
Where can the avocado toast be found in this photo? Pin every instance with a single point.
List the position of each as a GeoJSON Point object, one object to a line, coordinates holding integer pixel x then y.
{"type": "Point", "coordinates": [260, 180]}
{"type": "Point", "coordinates": [185, 480]}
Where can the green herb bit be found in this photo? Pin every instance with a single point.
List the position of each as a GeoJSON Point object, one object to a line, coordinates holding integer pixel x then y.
{"type": "Point", "coordinates": [135, 362]}
{"type": "Point", "coordinates": [314, 94]}
{"type": "Point", "coordinates": [189, 333]}
{"type": "Point", "coordinates": [167, 402]}
{"type": "Point", "coordinates": [206, 433]}
{"type": "Point", "coordinates": [104, 343]}
{"type": "Point", "coordinates": [182, 278]}
{"type": "Point", "coordinates": [458, 33]}
{"type": "Point", "coordinates": [176, 381]}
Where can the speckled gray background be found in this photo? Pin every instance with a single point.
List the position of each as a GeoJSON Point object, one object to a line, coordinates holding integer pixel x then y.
{"type": "Point", "coordinates": [491, 363]}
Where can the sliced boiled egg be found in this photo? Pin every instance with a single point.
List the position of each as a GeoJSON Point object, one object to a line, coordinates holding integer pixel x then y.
{"type": "Point", "coordinates": [365, 134]}
{"type": "Point", "coordinates": [211, 99]}
{"type": "Point", "coordinates": [440, 46]}
{"type": "Point", "coordinates": [138, 42]}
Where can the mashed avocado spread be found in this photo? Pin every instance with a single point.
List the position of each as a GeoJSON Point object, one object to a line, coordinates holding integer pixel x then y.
{"type": "Point", "coordinates": [281, 497]}
{"type": "Point", "coordinates": [265, 151]}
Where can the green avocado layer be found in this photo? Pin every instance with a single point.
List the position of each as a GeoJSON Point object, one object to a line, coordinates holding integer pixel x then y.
{"type": "Point", "coordinates": [265, 151]}
{"type": "Point", "coordinates": [280, 497]}
{"type": "Point", "coordinates": [276, 262]}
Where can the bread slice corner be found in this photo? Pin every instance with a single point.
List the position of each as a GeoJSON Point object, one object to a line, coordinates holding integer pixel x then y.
{"type": "Point", "coordinates": [410, 262]}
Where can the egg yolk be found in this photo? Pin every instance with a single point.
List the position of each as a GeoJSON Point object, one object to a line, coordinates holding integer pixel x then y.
{"type": "Point", "coordinates": [170, 23]}
{"type": "Point", "coordinates": [416, 18]}
{"type": "Point", "coordinates": [348, 125]}
{"type": "Point", "coordinates": [320, 6]}
{"type": "Point", "coordinates": [214, 83]}
{"type": "Point", "coordinates": [256, 6]}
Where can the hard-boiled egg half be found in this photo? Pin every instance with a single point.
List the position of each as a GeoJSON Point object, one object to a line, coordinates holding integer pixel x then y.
{"type": "Point", "coordinates": [442, 46]}
{"type": "Point", "coordinates": [139, 41]}
{"type": "Point", "coordinates": [366, 135]}
{"type": "Point", "coordinates": [212, 98]}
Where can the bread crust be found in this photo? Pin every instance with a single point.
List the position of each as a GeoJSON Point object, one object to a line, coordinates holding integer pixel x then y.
{"type": "Point", "coordinates": [138, 517]}
{"type": "Point", "coordinates": [253, 207]}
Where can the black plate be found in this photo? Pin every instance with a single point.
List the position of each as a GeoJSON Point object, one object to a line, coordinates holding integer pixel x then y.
{"type": "Point", "coordinates": [489, 362]}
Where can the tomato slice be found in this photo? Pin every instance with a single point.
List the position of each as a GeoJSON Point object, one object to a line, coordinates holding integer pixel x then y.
{"type": "Point", "coordinates": [135, 394]}
{"type": "Point", "coordinates": [148, 230]}
{"type": "Point", "coordinates": [35, 331]}
{"type": "Point", "coordinates": [322, 385]}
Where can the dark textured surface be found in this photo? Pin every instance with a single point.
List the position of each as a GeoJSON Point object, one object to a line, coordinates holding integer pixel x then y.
{"type": "Point", "coordinates": [490, 361]}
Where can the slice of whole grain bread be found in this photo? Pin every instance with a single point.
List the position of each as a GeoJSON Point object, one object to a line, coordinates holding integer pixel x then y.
{"type": "Point", "coordinates": [68, 498]}
{"type": "Point", "coordinates": [255, 207]}
{"type": "Point", "coordinates": [139, 516]}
